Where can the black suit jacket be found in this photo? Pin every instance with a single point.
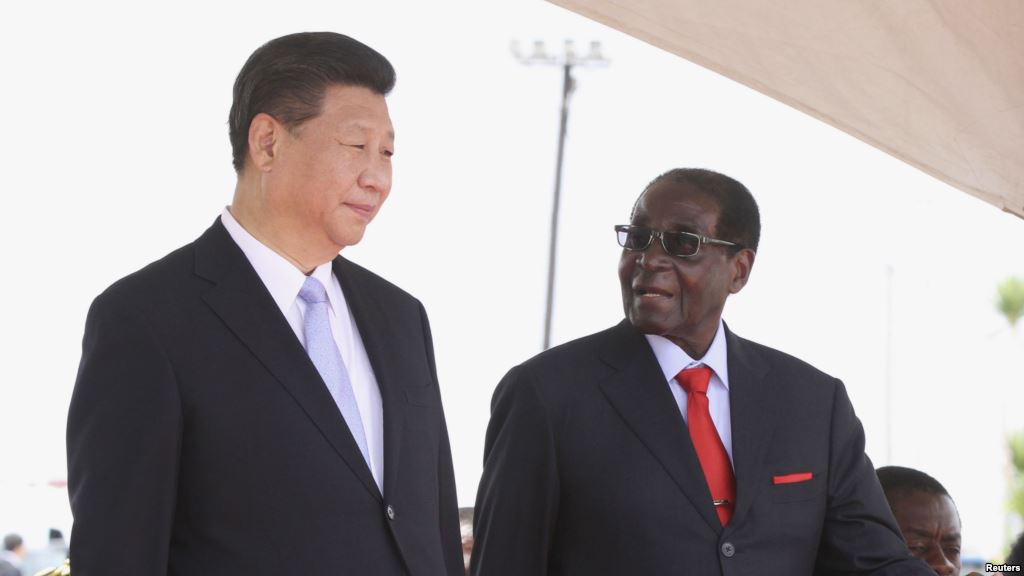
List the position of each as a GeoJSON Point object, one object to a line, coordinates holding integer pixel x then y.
{"type": "Point", "coordinates": [202, 440]}
{"type": "Point", "coordinates": [589, 470]}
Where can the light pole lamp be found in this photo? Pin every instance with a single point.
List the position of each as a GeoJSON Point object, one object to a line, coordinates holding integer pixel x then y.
{"type": "Point", "coordinates": [568, 59]}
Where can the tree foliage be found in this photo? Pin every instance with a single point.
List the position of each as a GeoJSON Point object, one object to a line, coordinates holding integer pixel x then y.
{"type": "Point", "coordinates": [1017, 487]}
{"type": "Point", "coordinates": [1010, 304]}
{"type": "Point", "coordinates": [1011, 299]}
{"type": "Point", "coordinates": [1017, 451]}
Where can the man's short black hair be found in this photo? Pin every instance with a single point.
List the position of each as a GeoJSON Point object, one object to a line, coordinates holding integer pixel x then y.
{"type": "Point", "coordinates": [899, 481]}
{"type": "Point", "coordinates": [288, 77]}
{"type": "Point", "coordinates": [1016, 555]}
{"type": "Point", "coordinates": [12, 542]}
{"type": "Point", "coordinates": [739, 220]}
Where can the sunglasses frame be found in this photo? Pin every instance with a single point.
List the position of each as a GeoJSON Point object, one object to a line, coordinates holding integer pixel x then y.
{"type": "Point", "coordinates": [660, 234]}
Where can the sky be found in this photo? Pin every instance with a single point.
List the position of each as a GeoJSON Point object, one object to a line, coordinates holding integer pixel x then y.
{"type": "Point", "coordinates": [116, 152]}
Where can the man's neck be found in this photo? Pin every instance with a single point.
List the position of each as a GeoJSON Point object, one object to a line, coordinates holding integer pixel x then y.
{"type": "Point", "coordinates": [248, 209]}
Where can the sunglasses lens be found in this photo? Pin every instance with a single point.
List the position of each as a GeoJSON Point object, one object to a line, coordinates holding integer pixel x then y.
{"type": "Point", "coordinates": [681, 243]}
{"type": "Point", "coordinates": [634, 238]}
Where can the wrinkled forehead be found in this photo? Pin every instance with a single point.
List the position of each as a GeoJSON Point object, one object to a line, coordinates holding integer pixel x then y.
{"type": "Point", "coordinates": [676, 205]}
{"type": "Point", "coordinates": [918, 510]}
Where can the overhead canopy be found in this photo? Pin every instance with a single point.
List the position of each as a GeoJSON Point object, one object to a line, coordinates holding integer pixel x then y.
{"type": "Point", "coordinates": [938, 84]}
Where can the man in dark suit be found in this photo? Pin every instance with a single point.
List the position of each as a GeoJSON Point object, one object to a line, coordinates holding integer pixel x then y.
{"type": "Point", "coordinates": [253, 403]}
{"type": "Point", "coordinates": [669, 445]}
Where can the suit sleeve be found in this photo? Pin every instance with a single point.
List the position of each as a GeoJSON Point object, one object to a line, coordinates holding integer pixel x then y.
{"type": "Point", "coordinates": [517, 502]}
{"type": "Point", "coordinates": [448, 504]}
{"type": "Point", "coordinates": [123, 440]}
{"type": "Point", "coordinates": [860, 535]}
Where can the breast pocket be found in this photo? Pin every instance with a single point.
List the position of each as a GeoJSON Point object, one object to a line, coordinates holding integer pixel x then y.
{"type": "Point", "coordinates": [790, 487]}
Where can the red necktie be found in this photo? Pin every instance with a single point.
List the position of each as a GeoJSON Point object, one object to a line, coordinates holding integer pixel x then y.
{"type": "Point", "coordinates": [713, 458]}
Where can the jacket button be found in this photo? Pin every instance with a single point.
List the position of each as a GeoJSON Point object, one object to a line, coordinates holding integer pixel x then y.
{"type": "Point", "coordinates": [728, 550]}
{"type": "Point", "coordinates": [390, 511]}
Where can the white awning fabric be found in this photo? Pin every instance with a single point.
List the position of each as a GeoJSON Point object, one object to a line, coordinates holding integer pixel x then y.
{"type": "Point", "coordinates": [938, 84]}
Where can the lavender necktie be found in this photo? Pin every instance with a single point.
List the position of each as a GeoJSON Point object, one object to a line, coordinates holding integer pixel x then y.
{"type": "Point", "coordinates": [323, 351]}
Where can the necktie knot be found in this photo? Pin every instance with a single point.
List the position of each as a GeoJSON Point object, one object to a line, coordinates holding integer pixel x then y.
{"type": "Point", "coordinates": [695, 379]}
{"type": "Point", "coordinates": [313, 292]}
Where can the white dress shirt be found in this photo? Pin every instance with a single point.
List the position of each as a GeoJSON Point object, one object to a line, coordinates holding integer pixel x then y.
{"type": "Point", "coordinates": [283, 280]}
{"type": "Point", "coordinates": [673, 360]}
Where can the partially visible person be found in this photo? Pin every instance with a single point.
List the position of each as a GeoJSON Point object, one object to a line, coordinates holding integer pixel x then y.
{"type": "Point", "coordinates": [1016, 556]}
{"type": "Point", "coordinates": [1014, 562]}
{"type": "Point", "coordinates": [466, 526]}
{"type": "Point", "coordinates": [57, 543]}
{"type": "Point", "coordinates": [52, 556]}
{"type": "Point", "coordinates": [12, 555]}
{"type": "Point", "coordinates": [926, 515]}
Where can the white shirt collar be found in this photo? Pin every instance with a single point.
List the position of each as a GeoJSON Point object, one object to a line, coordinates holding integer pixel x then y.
{"type": "Point", "coordinates": [674, 359]}
{"type": "Point", "coordinates": [282, 279]}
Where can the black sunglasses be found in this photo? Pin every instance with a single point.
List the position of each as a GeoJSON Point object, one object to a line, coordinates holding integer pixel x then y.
{"type": "Point", "coordinates": [682, 244]}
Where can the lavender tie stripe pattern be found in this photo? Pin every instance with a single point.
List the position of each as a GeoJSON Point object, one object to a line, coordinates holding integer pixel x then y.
{"type": "Point", "coordinates": [323, 351]}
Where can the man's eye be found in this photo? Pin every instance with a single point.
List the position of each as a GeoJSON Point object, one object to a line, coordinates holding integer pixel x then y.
{"type": "Point", "coordinates": [388, 153]}
{"type": "Point", "coordinates": [350, 145]}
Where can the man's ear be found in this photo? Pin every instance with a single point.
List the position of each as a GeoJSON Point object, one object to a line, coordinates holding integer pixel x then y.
{"type": "Point", "coordinates": [742, 263]}
{"type": "Point", "coordinates": [265, 134]}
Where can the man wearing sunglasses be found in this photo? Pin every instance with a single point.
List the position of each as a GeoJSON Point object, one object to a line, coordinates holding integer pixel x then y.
{"type": "Point", "coordinates": [669, 445]}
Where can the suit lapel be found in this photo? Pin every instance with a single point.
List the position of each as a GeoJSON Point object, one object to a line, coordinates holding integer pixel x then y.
{"type": "Point", "coordinates": [372, 318]}
{"type": "Point", "coordinates": [755, 406]}
{"type": "Point", "coordinates": [241, 300]}
{"type": "Point", "coordinates": [640, 394]}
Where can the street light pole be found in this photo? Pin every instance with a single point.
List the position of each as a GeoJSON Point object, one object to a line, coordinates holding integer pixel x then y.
{"type": "Point", "coordinates": [567, 88]}
{"type": "Point", "coordinates": [567, 61]}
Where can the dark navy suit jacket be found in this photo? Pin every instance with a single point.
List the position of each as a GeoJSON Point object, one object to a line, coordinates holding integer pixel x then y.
{"type": "Point", "coordinates": [589, 470]}
{"type": "Point", "coordinates": [202, 440]}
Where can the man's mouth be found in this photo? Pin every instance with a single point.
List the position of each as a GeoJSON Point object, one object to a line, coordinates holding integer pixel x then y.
{"type": "Point", "coordinates": [651, 292]}
{"type": "Point", "coordinates": [364, 210]}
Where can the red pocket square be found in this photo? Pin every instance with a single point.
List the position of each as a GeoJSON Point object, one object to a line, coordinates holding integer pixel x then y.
{"type": "Point", "coordinates": [792, 478]}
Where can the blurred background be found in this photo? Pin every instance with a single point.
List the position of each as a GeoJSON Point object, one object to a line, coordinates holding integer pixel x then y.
{"type": "Point", "coordinates": [116, 152]}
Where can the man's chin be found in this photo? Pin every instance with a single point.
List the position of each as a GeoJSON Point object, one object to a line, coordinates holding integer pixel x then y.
{"type": "Point", "coordinates": [349, 236]}
{"type": "Point", "coordinates": [646, 325]}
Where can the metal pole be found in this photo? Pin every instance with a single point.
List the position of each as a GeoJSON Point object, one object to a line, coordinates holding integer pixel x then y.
{"type": "Point", "coordinates": [888, 364]}
{"type": "Point", "coordinates": [567, 61]}
{"type": "Point", "coordinates": [567, 86]}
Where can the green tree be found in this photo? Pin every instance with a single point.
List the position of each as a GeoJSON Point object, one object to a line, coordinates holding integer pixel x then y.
{"type": "Point", "coordinates": [1017, 487]}
{"type": "Point", "coordinates": [1010, 302]}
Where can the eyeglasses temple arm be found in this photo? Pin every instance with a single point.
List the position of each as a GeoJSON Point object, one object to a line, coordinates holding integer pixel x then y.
{"type": "Point", "coordinates": [707, 240]}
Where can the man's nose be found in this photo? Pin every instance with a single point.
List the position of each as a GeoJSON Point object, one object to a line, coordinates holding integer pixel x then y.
{"type": "Point", "coordinates": [377, 174]}
{"type": "Point", "coordinates": [654, 256]}
{"type": "Point", "coordinates": [940, 564]}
